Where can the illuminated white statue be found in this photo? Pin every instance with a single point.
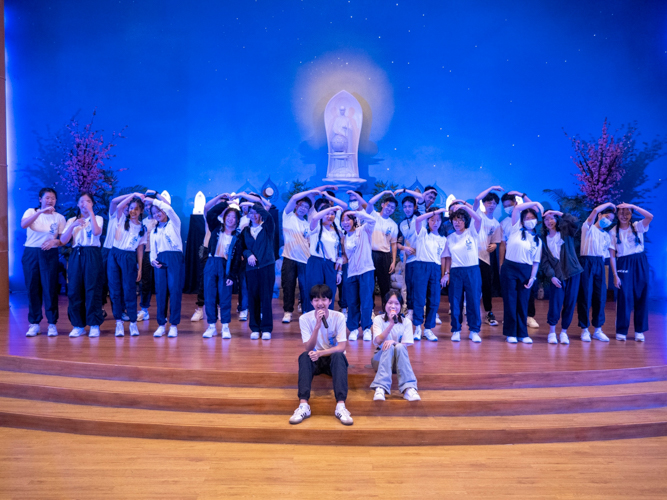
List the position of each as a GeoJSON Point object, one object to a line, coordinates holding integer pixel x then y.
{"type": "Point", "coordinates": [342, 118]}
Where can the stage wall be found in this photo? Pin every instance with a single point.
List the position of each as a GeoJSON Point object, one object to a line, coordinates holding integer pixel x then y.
{"type": "Point", "coordinates": [216, 94]}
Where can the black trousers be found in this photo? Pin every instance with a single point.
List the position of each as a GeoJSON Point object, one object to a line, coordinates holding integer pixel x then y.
{"type": "Point", "coordinates": [382, 263]}
{"type": "Point", "coordinates": [40, 270]}
{"type": "Point", "coordinates": [122, 278]}
{"type": "Point", "coordinates": [260, 295]}
{"type": "Point", "coordinates": [84, 287]}
{"type": "Point", "coordinates": [291, 272]}
{"type": "Point", "coordinates": [201, 296]}
{"type": "Point", "coordinates": [147, 283]}
{"type": "Point", "coordinates": [513, 277]}
{"type": "Point", "coordinates": [335, 366]}
{"type": "Point", "coordinates": [487, 285]}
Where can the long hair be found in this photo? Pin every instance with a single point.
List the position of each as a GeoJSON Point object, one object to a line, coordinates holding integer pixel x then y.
{"type": "Point", "coordinates": [350, 215]}
{"type": "Point", "coordinates": [158, 225]}
{"type": "Point", "coordinates": [140, 204]}
{"type": "Point", "coordinates": [632, 228]}
{"type": "Point", "coordinates": [92, 198]}
{"type": "Point", "coordinates": [525, 212]}
{"type": "Point", "coordinates": [236, 212]}
{"type": "Point", "coordinates": [393, 293]}
{"type": "Point", "coordinates": [323, 204]}
{"type": "Point", "coordinates": [42, 192]}
{"type": "Point", "coordinates": [545, 229]}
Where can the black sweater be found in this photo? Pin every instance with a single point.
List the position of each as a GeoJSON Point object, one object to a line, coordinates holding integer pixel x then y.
{"type": "Point", "coordinates": [235, 253]}
{"type": "Point", "coordinates": [568, 265]}
{"type": "Point", "coordinates": [262, 247]}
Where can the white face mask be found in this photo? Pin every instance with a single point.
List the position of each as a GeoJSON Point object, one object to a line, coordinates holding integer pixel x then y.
{"type": "Point", "coordinates": [509, 210]}
{"type": "Point", "coordinates": [530, 224]}
{"type": "Point", "coordinates": [354, 205]}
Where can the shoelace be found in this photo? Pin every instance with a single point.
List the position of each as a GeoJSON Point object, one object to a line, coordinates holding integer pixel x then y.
{"type": "Point", "coordinates": [343, 412]}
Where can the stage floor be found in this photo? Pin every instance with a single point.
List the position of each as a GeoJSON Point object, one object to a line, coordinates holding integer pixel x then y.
{"type": "Point", "coordinates": [191, 351]}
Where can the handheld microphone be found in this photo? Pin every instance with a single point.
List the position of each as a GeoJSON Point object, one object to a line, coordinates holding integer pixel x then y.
{"type": "Point", "coordinates": [324, 322]}
{"type": "Point", "coordinates": [395, 316]}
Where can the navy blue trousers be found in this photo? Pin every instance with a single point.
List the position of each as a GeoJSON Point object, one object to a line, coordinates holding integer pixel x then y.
{"type": "Point", "coordinates": [122, 278]}
{"type": "Point", "coordinates": [562, 301]}
{"type": "Point", "coordinates": [147, 280]}
{"type": "Point", "coordinates": [40, 270]}
{"type": "Point", "coordinates": [465, 280]}
{"type": "Point", "coordinates": [592, 292]}
{"type": "Point", "coordinates": [633, 271]}
{"type": "Point", "coordinates": [291, 272]}
{"type": "Point", "coordinates": [243, 292]}
{"type": "Point", "coordinates": [359, 291]}
{"type": "Point", "coordinates": [169, 281]}
{"type": "Point", "coordinates": [409, 284]}
{"type": "Point", "coordinates": [84, 286]}
{"type": "Point", "coordinates": [260, 296]}
{"type": "Point", "coordinates": [427, 293]}
{"type": "Point", "coordinates": [513, 277]}
{"type": "Point", "coordinates": [319, 271]}
{"type": "Point", "coordinates": [342, 296]}
{"type": "Point", "coordinates": [215, 288]}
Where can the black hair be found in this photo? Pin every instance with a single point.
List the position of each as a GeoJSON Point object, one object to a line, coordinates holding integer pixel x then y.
{"type": "Point", "coordinates": [460, 214]}
{"type": "Point", "coordinates": [429, 188]}
{"type": "Point", "coordinates": [331, 193]}
{"type": "Point", "coordinates": [389, 199]}
{"type": "Point", "coordinates": [307, 200]}
{"type": "Point", "coordinates": [319, 206]}
{"type": "Point", "coordinates": [139, 201]}
{"type": "Point", "coordinates": [157, 225]}
{"type": "Point", "coordinates": [632, 228]}
{"type": "Point", "coordinates": [359, 193]}
{"type": "Point", "coordinates": [43, 191]}
{"type": "Point", "coordinates": [351, 216]}
{"type": "Point", "coordinates": [321, 292]}
{"type": "Point", "coordinates": [92, 198]}
{"type": "Point", "coordinates": [491, 196]}
{"type": "Point", "coordinates": [507, 197]}
{"type": "Point", "coordinates": [545, 230]}
{"type": "Point", "coordinates": [412, 200]}
{"type": "Point", "coordinates": [429, 210]}
{"type": "Point", "coordinates": [393, 293]}
{"type": "Point", "coordinates": [236, 212]}
{"type": "Point", "coordinates": [322, 201]}
{"type": "Point", "coordinates": [524, 230]}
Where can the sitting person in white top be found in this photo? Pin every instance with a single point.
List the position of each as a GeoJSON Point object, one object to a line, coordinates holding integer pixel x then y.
{"type": "Point", "coordinates": [324, 339]}
{"type": "Point", "coordinates": [630, 270]}
{"type": "Point", "coordinates": [392, 334]}
{"type": "Point", "coordinates": [84, 270]}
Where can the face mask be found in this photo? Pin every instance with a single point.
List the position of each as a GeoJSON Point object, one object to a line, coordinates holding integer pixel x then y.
{"type": "Point", "coordinates": [530, 224]}
{"type": "Point", "coordinates": [509, 210]}
{"type": "Point", "coordinates": [605, 223]}
{"type": "Point", "coordinates": [354, 205]}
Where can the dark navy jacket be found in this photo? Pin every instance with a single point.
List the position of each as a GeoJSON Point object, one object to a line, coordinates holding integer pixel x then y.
{"type": "Point", "coordinates": [568, 264]}
{"type": "Point", "coordinates": [262, 247]}
{"type": "Point", "coordinates": [235, 253]}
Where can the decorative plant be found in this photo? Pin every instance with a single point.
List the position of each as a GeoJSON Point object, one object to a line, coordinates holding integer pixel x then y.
{"type": "Point", "coordinates": [298, 186]}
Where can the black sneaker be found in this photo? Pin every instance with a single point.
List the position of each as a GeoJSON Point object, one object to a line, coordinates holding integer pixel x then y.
{"type": "Point", "coordinates": [491, 319]}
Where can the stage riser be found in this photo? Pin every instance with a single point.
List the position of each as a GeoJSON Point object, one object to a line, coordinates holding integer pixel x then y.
{"type": "Point", "coordinates": [391, 407]}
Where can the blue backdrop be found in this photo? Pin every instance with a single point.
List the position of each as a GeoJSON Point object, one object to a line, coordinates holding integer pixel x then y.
{"type": "Point", "coordinates": [215, 94]}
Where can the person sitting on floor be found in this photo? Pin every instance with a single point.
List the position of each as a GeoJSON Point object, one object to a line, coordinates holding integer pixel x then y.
{"type": "Point", "coordinates": [324, 338]}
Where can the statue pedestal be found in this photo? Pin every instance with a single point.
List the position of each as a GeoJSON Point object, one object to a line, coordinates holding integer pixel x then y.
{"type": "Point", "coordinates": [346, 184]}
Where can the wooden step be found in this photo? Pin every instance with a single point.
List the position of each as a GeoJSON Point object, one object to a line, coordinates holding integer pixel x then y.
{"type": "Point", "coordinates": [325, 429]}
{"type": "Point", "coordinates": [151, 396]}
{"type": "Point", "coordinates": [437, 381]}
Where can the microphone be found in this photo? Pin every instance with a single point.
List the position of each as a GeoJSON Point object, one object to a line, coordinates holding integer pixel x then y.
{"type": "Point", "coordinates": [395, 316]}
{"type": "Point", "coordinates": [324, 322]}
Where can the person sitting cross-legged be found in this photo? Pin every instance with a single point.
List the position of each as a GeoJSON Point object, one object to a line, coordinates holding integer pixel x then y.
{"type": "Point", "coordinates": [324, 338]}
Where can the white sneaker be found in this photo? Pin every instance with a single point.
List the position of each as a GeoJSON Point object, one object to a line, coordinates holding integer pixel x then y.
{"type": "Point", "coordinates": [409, 314]}
{"type": "Point", "coordinates": [411, 394]}
{"type": "Point", "coordinates": [511, 340]}
{"type": "Point", "coordinates": [344, 311]}
{"type": "Point", "coordinates": [266, 335]}
{"type": "Point", "coordinates": [300, 414]}
{"type": "Point", "coordinates": [33, 330]}
{"type": "Point", "coordinates": [379, 394]}
{"type": "Point", "coordinates": [94, 332]}
{"type": "Point", "coordinates": [598, 335]}
{"type": "Point", "coordinates": [526, 340]}
{"type": "Point", "coordinates": [438, 321]}
{"type": "Point", "coordinates": [585, 336]}
{"type": "Point", "coordinates": [198, 315]}
{"type": "Point", "coordinates": [159, 332]}
{"type": "Point", "coordinates": [243, 315]}
{"type": "Point", "coordinates": [354, 334]}
{"type": "Point", "coordinates": [430, 336]}
{"type": "Point", "coordinates": [639, 337]}
{"type": "Point", "coordinates": [287, 317]}
{"type": "Point", "coordinates": [531, 323]}
{"type": "Point", "coordinates": [77, 332]}
{"type": "Point", "coordinates": [368, 335]}
{"type": "Point", "coordinates": [621, 337]}
{"type": "Point", "coordinates": [143, 315]}
{"type": "Point", "coordinates": [552, 338]}
{"type": "Point", "coordinates": [474, 336]}
{"type": "Point", "coordinates": [226, 334]}
{"type": "Point", "coordinates": [456, 336]}
{"type": "Point", "coordinates": [173, 331]}
{"type": "Point", "coordinates": [53, 331]}
{"type": "Point", "coordinates": [254, 335]}
{"type": "Point", "coordinates": [564, 339]}
{"type": "Point", "coordinates": [134, 331]}
{"type": "Point", "coordinates": [299, 307]}
{"type": "Point", "coordinates": [210, 332]}
{"type": "Point", "coordinates": [418, 333]}
{"type": "Point", "coordinates": [343, 414]}
{"type": "Point", "coordinates": [120, 329]}
{"type": "Point", "coordinates": [125, 317]}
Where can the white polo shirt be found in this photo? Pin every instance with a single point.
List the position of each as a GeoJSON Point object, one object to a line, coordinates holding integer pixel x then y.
{"type": "Point", "coordinates": [358, 250]}
{"type": "Point", "coordinates": [464, 248]}
{"type": "Point", "coordinates": [430, 246]}
{"type": "Point", "coordinates": [489, 232]}
{"type": "Point", "coordinates": [523, 251]}
{"type": "Point", "coordinates": [385, 233]}
{"type": "Point", "coordinates": [329, 239]}
{"type": "Point", "coordinates": [45, 228]}
{"type": "Point", "coordinates": [628, 244]}
{"type": "Point", "coordinates": [594, 241]}
{"type": "Point", "coordinates": [83, 236]}
{"type": "Point", "coordinates": [401, 332]}
{"type": "Point", "coordinates": [407, 229]}
{"type": "Point", "coordinates": [295, 235]}
{"type": "Point", "coordinates": [128, 240]}
{"type": "Point", "coordinates": [326, 337]}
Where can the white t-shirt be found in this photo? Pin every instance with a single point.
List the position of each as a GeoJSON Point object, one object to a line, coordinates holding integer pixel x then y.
{"type": "Point", "coordinates": [83, 236]}
{"type": "Point", "coordinates": [128, 240]}
{"type": "Point", "coordinates": [222, 248]}
{"type": "Point", "coordinates": [295, 231]}
{"type": "Point", "coordinates": [329, 243]}
{"type": "Point", "coordinates": [168, 237]}
{"type": "Point", "coordinates": [628, 245]}
{"type": "Point", "coordinates": [464, 248]}
{"type": "Point", "coordinates": [489, 232]}
{"type": "Point", "coordinates": [245, 220]}
{"type": "Point", "coordinates": [45, 228]}
{"type": "Point", "coordinates": [506, 227]}
{"type": "Point", "coordinates": [112, 225]}
{"type": "Point", "coordinates": [385, 233]}
{"type": "Point", "coordinates": [430, 246]}
{"type": "Point", "coordinates": [523, 251]}
{"type": "Point", "coordinates": [400, 332]}
{"type": "Point", "coordinates": [554, 243]}
{"type": "Point", "coordinates": [594, 241]}
{"type": "Point", "coordinates": [358, 250]}
{"type": "Point", "coordinates": [409, 238]}
{"type": "Point", "coordinates": [326, 337]}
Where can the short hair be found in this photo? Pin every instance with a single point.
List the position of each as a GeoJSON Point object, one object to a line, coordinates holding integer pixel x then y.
{"type": "Point", "coordinates": [360, 193]}
{"type": "Point", "coordinates": [322, 201]}
{"type": "Point", "coordinates": [306, 199]}
{"type": "Point", "coordinates": [389, 199]}
{"type": "Point", "coordinates": [490, 197]}
{"type": "Point", "coordinates": [45, 190]}
{"type": "Point", "coordinates": [461, 214]}
{"type": "Point", "coordinates": [321, 292]}
{"type": "Point", "coordinates": [411, 199]}
{"type": "Point", "coordinates": [507, 197]}
{"type": "Point", "coordinates": [331, 193]}
{"type": "Point", "coordinates": [428, 188]}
